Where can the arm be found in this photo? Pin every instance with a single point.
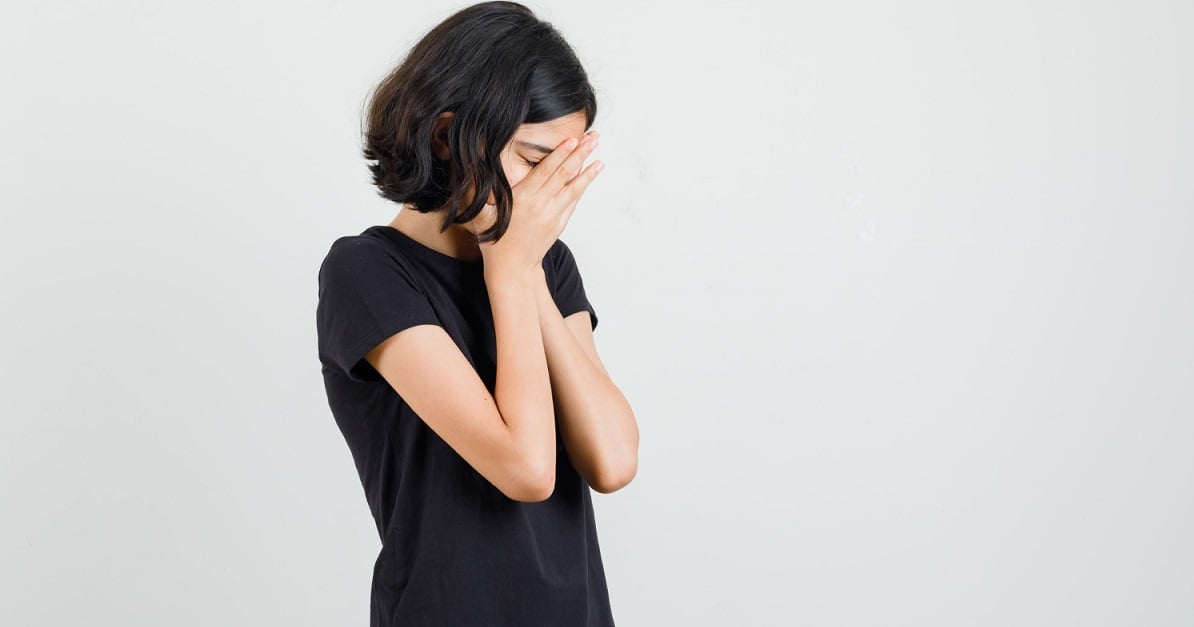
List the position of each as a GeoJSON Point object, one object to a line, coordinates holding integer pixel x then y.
{"type": "Point", "coordinates": [508, 438]}
{"type": "Point", "coordinates": [595, 420]}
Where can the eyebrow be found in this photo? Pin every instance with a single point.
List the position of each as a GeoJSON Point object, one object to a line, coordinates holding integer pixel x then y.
{"type": "Point", "coordinates": [543, 149]}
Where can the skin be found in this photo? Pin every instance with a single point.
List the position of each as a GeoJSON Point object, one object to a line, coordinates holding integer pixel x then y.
{"type": "Point", "coordinates": [549, 371]}
{"type": "Point", "coordinates": [516, 158]}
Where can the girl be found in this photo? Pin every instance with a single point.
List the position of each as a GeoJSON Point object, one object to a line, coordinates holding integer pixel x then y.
{"type": "Point", "coordinates": [456, 342]}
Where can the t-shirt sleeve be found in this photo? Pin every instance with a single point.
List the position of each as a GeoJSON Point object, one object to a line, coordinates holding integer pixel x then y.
{"type": "Point", "coordinates": [569, 287]}
{"type": "Point", "coordinates": [366, 294]}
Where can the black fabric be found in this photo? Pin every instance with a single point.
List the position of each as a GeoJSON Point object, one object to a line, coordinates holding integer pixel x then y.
{"type": "Point", "coordinates": [455, 550]}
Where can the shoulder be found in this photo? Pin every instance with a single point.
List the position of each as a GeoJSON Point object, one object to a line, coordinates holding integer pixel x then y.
{"type": "Point", "coordinates": [560, 255]}
{"type": "Point", "coordinates": [354, 255]}
{"type": "Point", "coordinates": [346, 248]}
{"type": "Point", "coordinates": [558, 262]}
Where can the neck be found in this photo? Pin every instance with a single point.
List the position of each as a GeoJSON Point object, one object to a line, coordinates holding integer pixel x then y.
{"type": "Point", "coordinates": [457, 241]}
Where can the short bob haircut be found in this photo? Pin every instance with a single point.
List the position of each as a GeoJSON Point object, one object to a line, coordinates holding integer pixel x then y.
{"type": "Point", "coordinates": [495, 66]}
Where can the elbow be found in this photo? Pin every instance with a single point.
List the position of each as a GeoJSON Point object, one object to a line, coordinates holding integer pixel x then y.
{"type": "Point", "coordinates": [612, 480]}
{"type": "Point", "coordinates": [617, 471]}
{"type": "Point", "coordinates": [533, 492]}
{"type": "Point", "coordinates": [534, 485]}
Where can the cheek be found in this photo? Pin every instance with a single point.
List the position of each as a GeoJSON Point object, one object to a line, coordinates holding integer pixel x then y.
{"type": "Point", "coordinates": [515, 173]}
{"type": "Point", "coordinates": [515, 169]}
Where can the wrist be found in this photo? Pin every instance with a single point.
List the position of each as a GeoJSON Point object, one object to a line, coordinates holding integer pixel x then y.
{"type": "Point", "coordinates": [515, 274]}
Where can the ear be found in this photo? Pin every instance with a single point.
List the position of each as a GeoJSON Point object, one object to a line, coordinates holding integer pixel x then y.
{"type": "Point", "coordinates": [439, 134]}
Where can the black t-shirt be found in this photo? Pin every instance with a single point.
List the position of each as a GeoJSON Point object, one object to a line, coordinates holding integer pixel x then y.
{"type": "Point", "coordinates": [455, 550]}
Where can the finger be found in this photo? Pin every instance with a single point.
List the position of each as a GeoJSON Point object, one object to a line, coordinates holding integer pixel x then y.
{"type": "Point", "coordinates": [581, 181]}
{"type": "Point", "coordinates": [535, 178]}
{"type": "Point", "coordinates": [572, 165]}
{"type": "Point", "coordinates": [567, 214]}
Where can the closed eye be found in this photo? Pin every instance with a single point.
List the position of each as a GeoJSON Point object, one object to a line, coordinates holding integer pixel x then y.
{"type": "Point", "coordinates": [531, 163]}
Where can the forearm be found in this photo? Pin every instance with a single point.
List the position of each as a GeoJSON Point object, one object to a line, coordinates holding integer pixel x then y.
{"type": "Point", "coordinates": [595, 420]}
{"type": "Point", "coordinates": [522, 389]}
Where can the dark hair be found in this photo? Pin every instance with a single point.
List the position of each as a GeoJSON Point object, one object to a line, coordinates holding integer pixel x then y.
{"type": "Point", "coordinates": [494, 66]}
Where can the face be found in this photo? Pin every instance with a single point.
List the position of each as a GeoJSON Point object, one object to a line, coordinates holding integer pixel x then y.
{"type": "Point", "coordinates": [532, 142]}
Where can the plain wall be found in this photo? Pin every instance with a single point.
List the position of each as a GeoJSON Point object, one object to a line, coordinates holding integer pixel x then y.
{"type": "Point", "coordinates": [901, 295]}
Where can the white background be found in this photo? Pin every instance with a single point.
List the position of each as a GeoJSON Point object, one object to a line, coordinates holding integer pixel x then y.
{"type": "Point", "coordinates": [901, 295]}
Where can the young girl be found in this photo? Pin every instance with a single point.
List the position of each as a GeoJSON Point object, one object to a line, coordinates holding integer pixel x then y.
{"type": "Point", "coordinates": [456, 342]}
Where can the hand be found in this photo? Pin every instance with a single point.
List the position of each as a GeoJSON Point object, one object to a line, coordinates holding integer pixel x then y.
{"type": "Point", "coordinates": [544, 201]}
